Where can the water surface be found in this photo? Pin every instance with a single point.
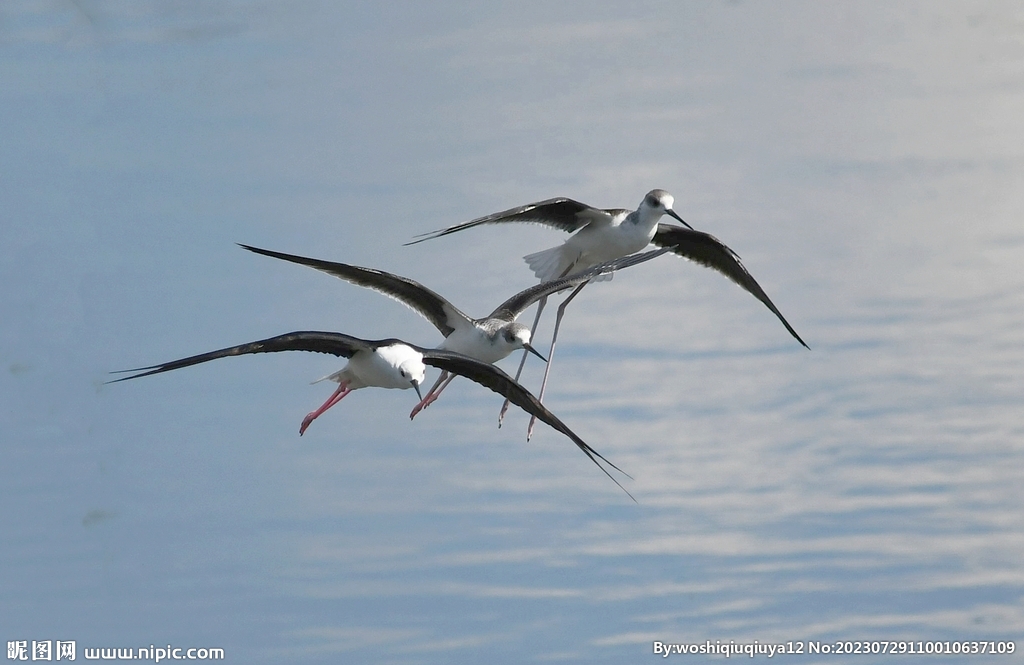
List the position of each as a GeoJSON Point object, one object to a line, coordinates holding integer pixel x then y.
{"type": "Point", "coordinates": [865, 161]}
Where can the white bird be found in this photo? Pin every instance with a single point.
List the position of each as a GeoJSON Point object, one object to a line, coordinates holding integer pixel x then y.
{"type": "Point", "coordinates": [387, 363]}
{"type": "Point", "coordinates": [488, 339]}
{"type": "Point", "coordinates": [607, 234]}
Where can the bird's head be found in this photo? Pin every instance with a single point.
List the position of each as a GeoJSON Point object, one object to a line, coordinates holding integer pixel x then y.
{"type": "Point", "coordinates": [518, 337]}
{"type": "Point", "coordinates": [414, 371]}
{"type": "Point", "coordinates": [659, 202]}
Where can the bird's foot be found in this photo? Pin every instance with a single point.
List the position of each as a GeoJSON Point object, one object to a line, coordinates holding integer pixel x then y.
{"type": "Point", "coordinates": [501, 414]}
{"type": "Point", "coordinates": [427, 401]}
{"type": "Point", "coordinates": [310, 417]}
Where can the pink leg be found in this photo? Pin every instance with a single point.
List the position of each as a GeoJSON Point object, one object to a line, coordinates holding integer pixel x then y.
{"type": "Point", "coordinates": [342, 390]}
{"type": "Point", "coordinates": [551, 353]}
{"type": "Point", "coordinates": [522, 363]}
{"type": "Point", "coordinates": [433, 393]}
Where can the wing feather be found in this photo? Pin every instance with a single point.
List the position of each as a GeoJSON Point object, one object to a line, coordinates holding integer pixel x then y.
{"type": "Point", "coordinates": [335, 344]}
{"type": "Point", "coordinates": [560, 213]}
{"type": "Point", "coordinates": [492, 377]}
{"type": "Point", "coordinates": [711, 252]}
{"type": "Point", "coordinates": [518, 303]}
{"type": "Point", "coordinates": [431, 306]}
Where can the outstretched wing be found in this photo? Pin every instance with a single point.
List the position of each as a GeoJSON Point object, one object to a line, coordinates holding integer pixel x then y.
{"type": "Point", "coordinates": [335, 344]}
{"type": "Point", "coordinates": [491, 377]}
{"type": "Point", "coordinates": [560, 213]}
{"type": "Point", "coordinates": [711, 252]}
{"type": "Point", "coordinates": [429, 304]}
{"type": "Point", "coordinates": [515, 305]}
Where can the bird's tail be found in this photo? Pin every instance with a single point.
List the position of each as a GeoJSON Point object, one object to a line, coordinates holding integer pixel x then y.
{"type": "Point", "coordinates": [335, 376]}
{"type": "Point", "coordinates": [547, 265]}
{"type": "Point", "coordinates": [558, 262]}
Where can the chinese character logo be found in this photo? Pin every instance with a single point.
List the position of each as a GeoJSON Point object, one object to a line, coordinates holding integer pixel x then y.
{"type": "Point", "coordinates": [17, 650]}
{"type": "Point", "coordinates": [42, 650]}
{"type": "Point", "coordinates": [66, 650]}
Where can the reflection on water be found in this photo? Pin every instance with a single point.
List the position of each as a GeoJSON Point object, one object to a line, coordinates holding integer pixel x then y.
{"type": "Point", "coordinates": [865, 166]}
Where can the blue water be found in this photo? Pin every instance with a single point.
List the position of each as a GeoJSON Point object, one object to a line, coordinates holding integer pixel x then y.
{"type": "Point", "coordinates": [863, 159]}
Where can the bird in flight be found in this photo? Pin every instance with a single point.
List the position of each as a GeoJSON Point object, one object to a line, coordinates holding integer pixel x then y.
{"type": "Point", "coordinates": [607, 234]}
{"type": "Point", "coordinates": [388, 363]}
{"type": "Point", "coordinates": [488, 339]}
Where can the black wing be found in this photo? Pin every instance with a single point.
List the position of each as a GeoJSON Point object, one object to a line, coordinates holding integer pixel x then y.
{"type": "Point", "coordinates": [335, 344]}
{"type": "Point", "coordinates": [492, 377]}
{"type": "Point", "coordinates": [709, 251]}
{"type": "Point", "coordinates": [515, 305]}
{"type": "Point", "coordinates": [430, 305]}
{"type": "Point", "coordinates": [560, 213]}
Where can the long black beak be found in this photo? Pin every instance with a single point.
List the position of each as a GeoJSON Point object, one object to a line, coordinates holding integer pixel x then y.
{"type": "Point", "coordinates": [673, 214]}
{"type": "Point", "coordinates": [534, 352]}
{"type": "Point", "coordinates": [416, 387]}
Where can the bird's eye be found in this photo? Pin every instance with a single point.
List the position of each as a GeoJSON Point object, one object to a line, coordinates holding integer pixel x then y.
{"type": "Point", "coordinates": [653, 202]}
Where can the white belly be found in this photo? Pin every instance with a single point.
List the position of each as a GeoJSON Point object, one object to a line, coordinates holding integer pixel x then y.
{"type": "Point", "coordinates": [381, 369]}
{"type": "Point", "coordinates": [600, 244]}
{"type": "Point", "coordinates": [590, 246]}
{"type": "Point", "coordinates": [475, 343]}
